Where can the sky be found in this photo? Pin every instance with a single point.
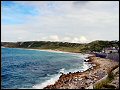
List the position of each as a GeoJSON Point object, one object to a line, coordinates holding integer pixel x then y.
{"type": "Point", "coordinates": [66, 21]}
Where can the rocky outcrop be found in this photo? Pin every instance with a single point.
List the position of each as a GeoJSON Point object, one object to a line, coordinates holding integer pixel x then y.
{"type": "Point", "coordinates": [86, 79]}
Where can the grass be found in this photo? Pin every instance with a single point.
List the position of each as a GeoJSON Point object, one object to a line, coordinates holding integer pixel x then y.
{"type": "Point", "coordinates": [104, 83]}
{"type": "Point", "coordinates": [109, 86]}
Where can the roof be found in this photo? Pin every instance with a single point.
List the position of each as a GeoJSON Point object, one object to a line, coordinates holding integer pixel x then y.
{"type": "Point", "coordinates": [111, 48]}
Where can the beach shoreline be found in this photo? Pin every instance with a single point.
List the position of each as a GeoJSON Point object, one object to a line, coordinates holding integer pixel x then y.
{"type": "Point", "coordinates": [55, 51]}
{"type": "Point", "coordinates": [86, 79]}
{"type": "Point", "coordinates": [71, 80]}
{"type": "Point", "coordinates": [48, 50]}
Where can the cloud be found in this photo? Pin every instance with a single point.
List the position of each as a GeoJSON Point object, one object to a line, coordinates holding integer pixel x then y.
{"type": "Point", "coordinates": [67, 39]}
{"type": "Point", "coordinates": [53, 38]}
{"type": "Point", "coordinates": [81, 39]}
{"type": "Point", "coordinates": [80, 4]}
{"type": "Point", "coordinates": [13, 13]}
{"type": "Point", "coordinates": [72, 21]}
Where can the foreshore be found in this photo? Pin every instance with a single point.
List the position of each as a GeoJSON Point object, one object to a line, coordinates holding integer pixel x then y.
{"type": "Point", "coordinates": [48, 50]}
{"type": "Point", "coordinates": [88, 79]}
{"type": "Point", "coordinates": [51, 50]}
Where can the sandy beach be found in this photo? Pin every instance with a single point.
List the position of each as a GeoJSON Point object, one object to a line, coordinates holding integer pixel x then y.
{"type": "Point", "coordinates": [58, 51]}
{"type": "Point", "coordinates": [48, 50]}
{"type": "Point", "coordinates": [89, 78]}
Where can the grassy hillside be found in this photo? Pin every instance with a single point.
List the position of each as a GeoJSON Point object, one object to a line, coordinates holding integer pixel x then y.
{"type": "Point", "coordinates": [64, 46]}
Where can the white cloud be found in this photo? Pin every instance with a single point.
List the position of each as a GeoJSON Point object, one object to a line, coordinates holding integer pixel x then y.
{"type": "Point", "coordinates": [54, 38]}
{"type": "Point", "coordinates": [67, 39]}
{"type": "Point", "coordinates": [94, 20]}
{"type": "Point", "coordinates": [81, 39]}
{"type": "Point", "coordinates": [75, 40]}
{"type": "Point", "coordinates": [51, 38]}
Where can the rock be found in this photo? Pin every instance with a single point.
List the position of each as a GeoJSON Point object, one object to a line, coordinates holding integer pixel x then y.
{"type": "Point", "coordinates": [86, 77]}
{"type": "Point", "coordinates": [86, 60]}
{"type": "Point", "coordinates": [90, 87]}
{"type": "Point", "coordinates": [82, 88]}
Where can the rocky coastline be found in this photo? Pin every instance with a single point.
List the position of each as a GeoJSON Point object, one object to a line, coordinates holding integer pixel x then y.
{"type": "Point", "coordinates": [101, 68]}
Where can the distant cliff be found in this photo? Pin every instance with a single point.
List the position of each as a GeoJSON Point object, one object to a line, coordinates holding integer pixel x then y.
{"type": "Point", "coordinates": [97, 45]}
{"type": "Point", "coordinates": [9, 44]}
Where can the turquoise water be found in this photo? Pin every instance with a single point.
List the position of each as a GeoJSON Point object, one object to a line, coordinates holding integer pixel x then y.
{"type": "Point", "coordinates": [22, 68]}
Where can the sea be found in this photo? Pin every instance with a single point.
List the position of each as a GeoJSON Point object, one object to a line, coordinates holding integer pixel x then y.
{"type": "Point", "coordinates": [35, 69]}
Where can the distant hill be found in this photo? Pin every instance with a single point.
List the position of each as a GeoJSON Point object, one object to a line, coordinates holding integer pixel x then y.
{"type": "Point", "coordinates": [97, 45]}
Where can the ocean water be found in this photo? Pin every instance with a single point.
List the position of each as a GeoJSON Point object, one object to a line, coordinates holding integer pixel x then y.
{"type": "Point", "coordinates": [22, 68]}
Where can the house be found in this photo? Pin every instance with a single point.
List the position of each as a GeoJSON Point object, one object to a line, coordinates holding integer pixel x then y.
{"type": "Point", "coordinates": [110, 50]}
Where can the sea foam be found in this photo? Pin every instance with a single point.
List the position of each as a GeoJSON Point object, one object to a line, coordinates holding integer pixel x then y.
{"type": "Point", "coordinates": [55, 77]}
{"type": "Point", "coordinates": [52, 80]}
